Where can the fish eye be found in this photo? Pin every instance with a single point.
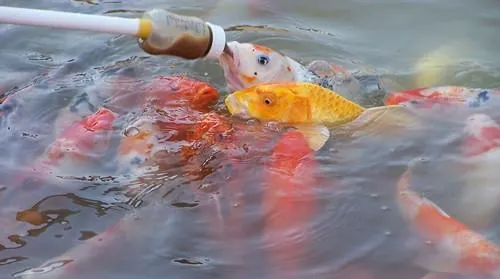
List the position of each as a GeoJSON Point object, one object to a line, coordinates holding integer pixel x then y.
{"type": "Point", "coordinates": [263, 59]}
{"type": "Point", "coordinates": [267, 101]}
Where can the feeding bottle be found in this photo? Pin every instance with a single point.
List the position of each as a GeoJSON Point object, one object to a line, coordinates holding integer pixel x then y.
{"type": "Point", "coordinates": [183, 36]}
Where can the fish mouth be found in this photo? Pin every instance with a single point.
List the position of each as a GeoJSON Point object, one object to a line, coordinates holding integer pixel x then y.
{"type": "Point", "coordinates": [228, 51]}
{"type": "Point", "coordinates": [230, 63]}
{"type": "Point", "coordinates": [235, 107]}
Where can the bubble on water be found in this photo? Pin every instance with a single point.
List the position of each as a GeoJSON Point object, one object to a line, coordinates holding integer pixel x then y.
{"type": "Point", "coordinates": [131, 131]}
{"type": "Point", "coordinates": [274, 126]}
{"type": "Point", "coordinates": [11, 260]}
{"type": "Point", "coordinates": [64, 222]}
{"type": "Point", "coordinates": [384, 208]}
{"type": "Point", "coordinates": [252, 122]}
{"type": "Point", "coordinates": [208, 187]}
{"type": "Point", "coordinates": [51, 266]}
{"type": "Point", "coordinates": [172, 177]}
{"type": "Point", "coordinates": [423, 159]}
{"type": "Point", "coordinates": [236, 204]}
{"type": "Point", "coordinates": [374, 195]}
{"type": "Point", "coordinates": [205, 74]}
{"type": "Point", "coordinates": [388, 233]}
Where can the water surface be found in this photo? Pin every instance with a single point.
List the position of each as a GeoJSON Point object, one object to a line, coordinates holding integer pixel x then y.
{"type": "Point", "coordinates": [171, 227]}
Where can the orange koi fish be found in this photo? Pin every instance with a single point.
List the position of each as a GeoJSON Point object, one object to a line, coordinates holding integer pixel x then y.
{"type": "Point", "coordinates": [173, 117]}
{"type": "Point", "coordinates": [450, 246]}
{"type": "Point", "coordinates": [84, 141]}
{"type": "Point", "coordinates": [289, 202]}
{"type": "Point", "coordinates": [179, 91]}
{"type": "Point", "coordinates": [314, 110]}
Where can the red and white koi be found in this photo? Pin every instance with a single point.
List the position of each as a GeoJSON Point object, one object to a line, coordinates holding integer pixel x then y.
{"type": "Point", "coordinates": [442, 95]}
{"type": "Point", "coordinates": [448, 246]}
{"type": "Point", "coordinates": [481, 192]}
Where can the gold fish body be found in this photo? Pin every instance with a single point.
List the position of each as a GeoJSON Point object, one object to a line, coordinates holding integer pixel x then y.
{"type": "Point", "coordinates": [292, 103]}
{"type": "Point", "coordinates": [311, 109]}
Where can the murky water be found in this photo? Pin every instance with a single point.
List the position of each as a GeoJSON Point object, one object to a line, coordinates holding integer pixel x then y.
{"type": "Point", "coordinates": [212, 225]}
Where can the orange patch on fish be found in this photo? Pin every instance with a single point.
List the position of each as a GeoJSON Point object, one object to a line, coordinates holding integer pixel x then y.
{"type": "Point", "coordinates": [138, 143]}
{"type": "Point", "coordinates": [262, 48]}
{"type": "Point", "coordinates": [84, 136]}
{"type": "Point", "coordinates": [483, 135]}
{"type": "Point", "coordinates": [248, 79]}
{"type": "Point", "coordinates": [173, 125]}
{"type": "Point", "coordinates": [173, 91]}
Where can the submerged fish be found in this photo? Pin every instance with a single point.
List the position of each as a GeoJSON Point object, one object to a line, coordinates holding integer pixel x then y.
{"type": "Point", "coordinates": [247, 64]}
{"type": "Point", "coordinates": [172, 119]}
{"type": "Point", "coordinates": [448, 245]}
{"type": "Point", "coordinates": [83, 142]}
{"type": "Point", "coordinates": [442, 95]}
{"type": "Point", "coordinates": [299, 104]}
{"type": "Point", "coordinates": [180, 91]}
{"type": "Point", "coordinates": [480, 195]}
{"type": "Point", "coordinates": [289, 202]}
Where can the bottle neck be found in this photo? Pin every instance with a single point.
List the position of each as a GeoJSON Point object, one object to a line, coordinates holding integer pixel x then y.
{"type": "Point", "coordinates": [217, 42]}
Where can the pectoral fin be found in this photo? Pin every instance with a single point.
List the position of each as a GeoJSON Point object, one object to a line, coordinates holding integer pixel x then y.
{"type": "Point", "coordinates": [316, 135]}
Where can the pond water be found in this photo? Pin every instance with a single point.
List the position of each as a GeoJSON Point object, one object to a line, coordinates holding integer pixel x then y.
{"type": "Point", "coordinates": [212, 225]}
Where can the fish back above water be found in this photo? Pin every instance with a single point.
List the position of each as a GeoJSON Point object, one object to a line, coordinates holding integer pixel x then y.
{"type": "Point", "coordinates": [311, 108]}
{"type": "Point", "coordinates": [444, 95]}
{"type": "Point", "coordinates": [292, 103]}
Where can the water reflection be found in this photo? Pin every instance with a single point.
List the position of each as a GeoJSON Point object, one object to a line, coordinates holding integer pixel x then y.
{"type": "Point", "coordinates": [201, 214]}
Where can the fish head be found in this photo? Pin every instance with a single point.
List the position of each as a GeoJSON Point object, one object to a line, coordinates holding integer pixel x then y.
{"type": "Point", "coordinates": [172, 91]}
{"type": "Point", "coordinates": [101, 121]}
{"type": "Point", "coordinates": [482, 134]}
{"type": "Point", "coordinates": [247, 64]}
{"type": "Point", "coordinates": [269, 102]}
{"type": "Point", "coordinates": [84, 138]}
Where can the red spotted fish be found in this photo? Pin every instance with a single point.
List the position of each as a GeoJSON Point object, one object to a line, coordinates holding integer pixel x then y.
{"type": "Point", "coordinates": [247, 64]}
{"type": "Point", "coordinates": [83, 142]}
{"type": "Point", "coordinates": [448, 246]}
{"type": "Point", "coordinates": [173, 117]}
{"type": "Point", "coordinates": [442, 95]}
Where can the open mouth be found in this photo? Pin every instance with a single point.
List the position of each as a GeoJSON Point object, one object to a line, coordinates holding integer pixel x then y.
{"type": "Point", "coordinates": [230, 64]}
{"type": "Point", "coordinates": [236, 108]}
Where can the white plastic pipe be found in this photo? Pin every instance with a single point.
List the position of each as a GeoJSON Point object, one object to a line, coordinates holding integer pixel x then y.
{"type": "Point", "coordinates": [75, 21]}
